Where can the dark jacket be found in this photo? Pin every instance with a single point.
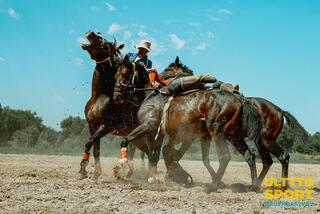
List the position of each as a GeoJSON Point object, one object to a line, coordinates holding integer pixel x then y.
{"type": "Point", "coordinates": [144, 61]}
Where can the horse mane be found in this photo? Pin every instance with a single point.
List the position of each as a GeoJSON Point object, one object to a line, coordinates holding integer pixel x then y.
{"type": "Point", "coordinates": [168, 72]}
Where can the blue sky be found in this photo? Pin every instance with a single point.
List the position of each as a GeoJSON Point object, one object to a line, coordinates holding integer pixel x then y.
{"type": "Point", "coordinates": [270, 48]}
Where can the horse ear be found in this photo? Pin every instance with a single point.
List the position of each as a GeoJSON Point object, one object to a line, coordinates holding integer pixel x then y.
{"type": "Point", "coordinates": [177, 61]}
{"type": "Point", "coordinates": [120, 47]}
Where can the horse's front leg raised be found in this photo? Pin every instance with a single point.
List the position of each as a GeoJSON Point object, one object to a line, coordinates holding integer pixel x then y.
{"type": "Point", "coordinates": [139, 132]}
{"type": "Point", "coordinates": [142, 132]}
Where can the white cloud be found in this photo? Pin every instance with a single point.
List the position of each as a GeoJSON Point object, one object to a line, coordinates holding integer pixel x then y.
{"type": "Point", "coordinates": [13, 13]}
{"type": "Point", "coordinates": [127, 35]}
{"type": "Point", "coordinates": [142, 34]}
{"type": "Point", "coordinates": [201, 46]}
{"type": "Point", "coordinates": [2, 59]}
{"type": "Point", "coordinates": [77, 61]}
{"type": "Point", "coordinates": [213, 18]}
{"type": "Point", "coordinates": [178, 43]}
{"type": "Point", "coordinates": [225, 12]}
{"type": "Point", "coordinates": [110, 7]}
{"type": "Point", "coordinates": [156, 47]}
{"type": "Point", "coordinates": [81, 40]}
{"type": "Point", "coordinates": [113, 28]}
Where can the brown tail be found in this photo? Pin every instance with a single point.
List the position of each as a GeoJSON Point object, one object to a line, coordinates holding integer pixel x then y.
{"type": "Point", "coordinates": [301, 135]}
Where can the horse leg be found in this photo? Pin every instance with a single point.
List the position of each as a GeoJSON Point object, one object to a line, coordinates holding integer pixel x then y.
{"type": "Point", "coordinates": [244, 150]}
{"type": "Point", "coordinates": [102, 131]}
{"type": "Point", "coordinates": [266, 160]}
{"type": "Point", "coordinates": [131, 150]}
{"type": "Point", "coordinates": [154, 152]}
{"type": "Point", "coordinates": [224, 159]}
{"type": "Point", "coordinates": [97, 166]}
{"type": "Point", "coordinates": [139, 132]}
{"type": "Point", "coordinates": [142, 156]}
{"type": "Point", "coordinates": [205, 150]}
{"type": "Point", "coordinates": [283, 157]}
{"type": "Point", "coordinates": [171, 158]}
{"type": "Point", "coordinates": [86, 155]}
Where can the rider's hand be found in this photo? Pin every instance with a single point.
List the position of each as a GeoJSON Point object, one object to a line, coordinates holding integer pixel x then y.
{"type": "Point", "coordinates": [155, 84]}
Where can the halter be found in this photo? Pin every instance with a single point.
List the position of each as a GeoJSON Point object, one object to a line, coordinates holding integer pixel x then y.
{"type": "Point", "coordinates": [106, 59]}
{"type": "Point", "coordinates": [131, 80]}
{"type": "Point", "coordinates": [110, 54]}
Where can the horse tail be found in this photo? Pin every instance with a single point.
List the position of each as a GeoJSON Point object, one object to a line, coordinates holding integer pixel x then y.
{"type": "Point", "coordinates": [252, 121]}
{"type": "Point", "coordinates": [301, 135]}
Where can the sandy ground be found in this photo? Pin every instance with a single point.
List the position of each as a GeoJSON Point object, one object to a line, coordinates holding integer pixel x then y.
{"type": "Point", "coordinates": [49, 184]}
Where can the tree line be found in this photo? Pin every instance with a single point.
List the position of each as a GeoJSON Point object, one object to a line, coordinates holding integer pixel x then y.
{"type": "Point", "coordinates": [24, 131]}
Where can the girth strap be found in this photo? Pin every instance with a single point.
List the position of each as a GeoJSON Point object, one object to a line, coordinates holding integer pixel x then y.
{"type": "Point", "coordinates": [164, 116]}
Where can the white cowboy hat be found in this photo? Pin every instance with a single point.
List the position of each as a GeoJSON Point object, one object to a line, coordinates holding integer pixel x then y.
{"type": "Point", "coordinates": [144, 44]}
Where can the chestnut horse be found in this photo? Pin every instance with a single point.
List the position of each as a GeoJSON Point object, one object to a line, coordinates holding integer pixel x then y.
{"type": "Point", "coordinates": [267, 142]}
{"type": "Point", "coordinates": [206, 115]}
{"type": "Point", "coordinates": [102, 113]}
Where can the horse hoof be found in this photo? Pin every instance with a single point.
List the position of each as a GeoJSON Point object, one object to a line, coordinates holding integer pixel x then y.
{"type": "Point", "coordinates": [151, 180]}
{"type": "Point", "coordinates": [209, 188]}
{"type": "Point", "coordinates": [255, 188]}
{"type": "Point", "coordinates": [83, 174]}
{"type": "Point", "coordinates": [81, 177]}
{"type": "Point", "coordinates": [95, 179]}
{"type": "Point", "coordinates": [189, 182]}
{"type": "Point", "coordinates": [222, 185]}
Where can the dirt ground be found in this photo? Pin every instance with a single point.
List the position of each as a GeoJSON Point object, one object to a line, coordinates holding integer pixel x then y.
{"type": "Point", "coordinates": [49, 184]}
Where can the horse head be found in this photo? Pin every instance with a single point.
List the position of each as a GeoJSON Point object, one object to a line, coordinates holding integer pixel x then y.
{"type": "Point", "coordinates": [175, 68]}
{"type": "Point", "coordinates": [100, 49]}
{"type": "Point", "coordinates": [129, 76]}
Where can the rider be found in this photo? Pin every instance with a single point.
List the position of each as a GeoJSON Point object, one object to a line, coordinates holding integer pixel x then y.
{"type": "Point", "coordinates": [144, 47]}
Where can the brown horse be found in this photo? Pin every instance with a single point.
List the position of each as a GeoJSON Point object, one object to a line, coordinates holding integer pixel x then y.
{"type": "Point", "coordinates": [267, 142]}
{"type": "Point", "coordinates": [204, 115]}
{"type": "Point", "coordinates": [273, 123]}
{"type": "Point", "coordinates": [102, 113]}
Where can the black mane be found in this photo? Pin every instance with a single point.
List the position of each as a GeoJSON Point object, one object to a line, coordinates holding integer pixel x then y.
{"type": "Point", "coordinates": [168, 72]}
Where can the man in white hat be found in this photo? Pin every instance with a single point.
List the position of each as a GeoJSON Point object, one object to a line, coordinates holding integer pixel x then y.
{"type": "Point", "coordinates": [142, 56]}
{"type": "Point", "coordinates": [144, 47]}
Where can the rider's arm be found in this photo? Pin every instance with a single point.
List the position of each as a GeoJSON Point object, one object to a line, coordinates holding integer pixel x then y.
{"type": "Point", "coordinates": [153, 75]}
{"type": "Point", "coordinates": [167, 81]}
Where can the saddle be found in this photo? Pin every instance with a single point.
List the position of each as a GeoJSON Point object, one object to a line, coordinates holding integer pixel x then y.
{"type": "Point", "coordinates": [188, 83]}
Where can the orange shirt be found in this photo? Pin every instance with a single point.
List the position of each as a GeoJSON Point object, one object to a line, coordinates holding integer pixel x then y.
{"type": "Point", "coordinates": [154, 77]}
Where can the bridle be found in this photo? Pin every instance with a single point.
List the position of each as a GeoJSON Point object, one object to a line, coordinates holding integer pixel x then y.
{"type": "Point", "coordinates": [108, 58]}
{"type": "Point", "coordinates": [129, 85]}
{"type": "Point", "coordinates": [123, 88]}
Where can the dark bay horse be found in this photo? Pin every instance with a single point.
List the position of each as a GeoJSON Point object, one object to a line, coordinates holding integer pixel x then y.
{"type": "Point", "coordinates": [102, 113]}
{"type": "Point", "coordinates": [205, 115]}
{"type": "Point", "coordinates": [266, 143]}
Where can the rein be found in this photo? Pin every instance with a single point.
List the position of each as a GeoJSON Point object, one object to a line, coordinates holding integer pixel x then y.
{"type": "Point", "coordinates": [133, 88]}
